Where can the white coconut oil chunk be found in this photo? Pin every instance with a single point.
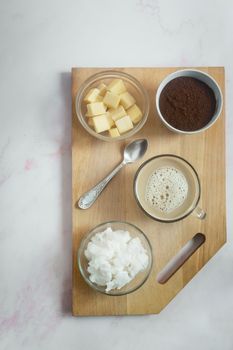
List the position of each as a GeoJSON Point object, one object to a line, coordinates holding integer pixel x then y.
{"type": "Point", "coordinates": [115, 258]}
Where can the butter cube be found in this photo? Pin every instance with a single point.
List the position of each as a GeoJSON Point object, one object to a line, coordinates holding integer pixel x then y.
{"type": "Point", "coordinates": [114, 132]}
{"type": "Point", "coordinates": [135, 114]}
{"type": "Point", "coordinates": [124, 124]}
{"type": "Point", "coordinates": [102, 88]}
{"type": "Point", "coordinates": [110, 120]}
{"type": "Point", "coordinates": [117, 113]}
{"type": "Point", "coordinates": [99, 98]}
{"type": "Point", "coordinates": [91, 95]}
{"type": "Point", "coordinates": [90, 122]}
{"type": "Point", "coordinates": [111, 100]}
{"type": "Point", "coordinates": [116, 86]}
{"type": "Point", "coordinates": [101, 123]}
{"type": "Point", "coordinates": [95, 108]}
{"type": "Point", "coordinates": [127, 100]}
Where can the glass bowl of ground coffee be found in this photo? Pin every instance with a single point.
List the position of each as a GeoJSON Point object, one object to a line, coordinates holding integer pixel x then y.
{"type": "Point", "coordinates": [189, 101]}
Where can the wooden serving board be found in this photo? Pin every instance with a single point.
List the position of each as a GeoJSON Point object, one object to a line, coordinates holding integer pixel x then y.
{"type": "Point", "coordinates": [93, 159]}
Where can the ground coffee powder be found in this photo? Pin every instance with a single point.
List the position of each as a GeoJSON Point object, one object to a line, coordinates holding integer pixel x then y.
{"type": "Point", "coordinates": [187, 103]}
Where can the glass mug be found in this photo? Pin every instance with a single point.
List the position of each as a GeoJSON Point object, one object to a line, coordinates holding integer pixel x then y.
{"type": "Point", "coordinates": [167, 188]}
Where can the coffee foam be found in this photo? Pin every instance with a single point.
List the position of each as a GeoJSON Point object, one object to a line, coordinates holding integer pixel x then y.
{"type": "Point", "coordinates": [166, 189]}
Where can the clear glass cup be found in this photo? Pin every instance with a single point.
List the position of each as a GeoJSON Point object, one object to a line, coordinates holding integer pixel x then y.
{"type": "Point", "coordinates": [134, 231]}
{"type": "Point", "coordinates": [132, 85]}
{"type": "Point", "coordinates": [190, 204]}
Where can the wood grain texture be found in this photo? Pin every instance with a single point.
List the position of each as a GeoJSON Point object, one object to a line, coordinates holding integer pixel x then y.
{"type": "Point", "coordinates": [93, 159]}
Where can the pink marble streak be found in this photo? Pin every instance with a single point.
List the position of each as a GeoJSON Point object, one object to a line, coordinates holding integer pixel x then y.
{"type": "Point", "coordinates": [37, 311]}
{"type": "Point", "coordinates": [29, 164]}
{"type": "Point", "coordinates": [4, 178]}
{"type": "Point", "coordinates": [63, 149]}
{"type": "Point", "coordinates": [183, 61]}
{"type": "Point", "coordinates": [9, 322]}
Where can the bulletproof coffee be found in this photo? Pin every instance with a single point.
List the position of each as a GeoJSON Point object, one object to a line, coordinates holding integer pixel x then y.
{"type": "Point", "coordinates": [187, 104]}
{"type": "Point", "coordinates": [167, 188]}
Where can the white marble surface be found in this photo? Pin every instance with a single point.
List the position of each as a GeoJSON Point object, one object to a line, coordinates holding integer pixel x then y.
{"type": "Point", "coordinates": [40, 42]}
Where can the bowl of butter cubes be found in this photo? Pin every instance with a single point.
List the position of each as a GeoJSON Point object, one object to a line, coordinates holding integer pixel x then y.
{"type": "Point", "coordinates": [112, 105]}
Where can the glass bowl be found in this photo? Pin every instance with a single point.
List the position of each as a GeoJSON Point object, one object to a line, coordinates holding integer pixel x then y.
{"type": "Point", "coordinates": [132, 85]}
{"type": "Point", "coordinates": [134, 231]}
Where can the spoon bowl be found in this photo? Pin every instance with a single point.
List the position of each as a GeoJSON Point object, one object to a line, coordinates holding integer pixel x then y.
{"type": "Point", "coordinates": [135, 150]}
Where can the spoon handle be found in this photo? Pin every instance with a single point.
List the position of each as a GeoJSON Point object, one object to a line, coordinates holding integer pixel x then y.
{"type": "Point", "coordinates": [89, 197]}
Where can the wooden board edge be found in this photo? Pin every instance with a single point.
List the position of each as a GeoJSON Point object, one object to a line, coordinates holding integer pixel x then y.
{"type": "Point", "coordinates": [150, 67]}
{"type": "Point", "coordinates": [74, 307]}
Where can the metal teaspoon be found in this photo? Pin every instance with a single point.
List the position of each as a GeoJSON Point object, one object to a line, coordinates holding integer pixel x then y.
{"type": "Point", "coordinates": [132, 152]}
